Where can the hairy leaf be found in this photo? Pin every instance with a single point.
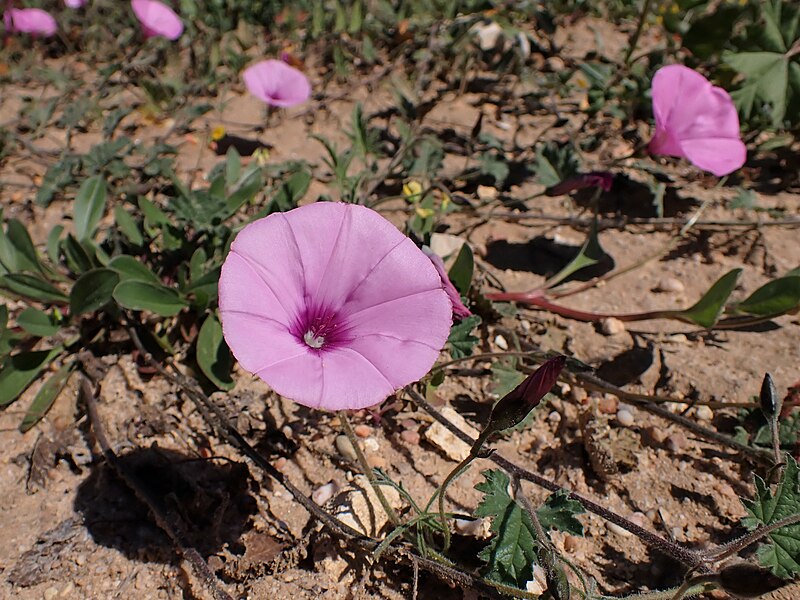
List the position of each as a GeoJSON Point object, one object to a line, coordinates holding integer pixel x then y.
{"type": "Point", "coordinates": [461, 341]}
{"type": "Point", "coordinates": [782, 554]}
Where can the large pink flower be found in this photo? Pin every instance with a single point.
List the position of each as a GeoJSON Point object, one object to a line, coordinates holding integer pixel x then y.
{"type": "Point", "coordinates": [74, 3]}
{"type": "Point", "coordinates": [30, 20]}
{"type": "Point", "coordinates": [696, 120]}
{"type": "Point", "coordinates": [277, 83]}
{"type": "Point", "coordinates": [332, 306]}
{"type": "Point", "coordinates": [156, 18]}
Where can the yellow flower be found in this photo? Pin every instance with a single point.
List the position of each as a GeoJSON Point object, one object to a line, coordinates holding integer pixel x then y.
{"type": "Point", "coordinates": [261, 156]}
{"type": "Point", "coordinates": [217, 133]}
{"type": "Point", "coordinates": [412, 190]}
{"type": "Point", "coordinates": [424, 213]}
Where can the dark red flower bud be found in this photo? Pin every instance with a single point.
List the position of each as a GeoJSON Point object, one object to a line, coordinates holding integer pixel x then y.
{"type": "Point", "coordinates": [601, 179]}
{"type": "Point", "coordinates": [512, 408]}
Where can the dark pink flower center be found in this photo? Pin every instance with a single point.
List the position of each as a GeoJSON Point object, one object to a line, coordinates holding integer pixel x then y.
{"type": "Point", "coordinates": [320, 329]}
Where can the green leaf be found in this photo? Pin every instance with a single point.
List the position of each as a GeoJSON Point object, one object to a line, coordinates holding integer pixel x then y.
{"type": "Point", "coordinates": [31, 286]}
{"type": "Point", "coordinates": [558, 512]}
{"type": "Point", "coordinates": [128, 268]}
{"type": "Point", "coordinates": [233, 166]}
{"type": "Point", "coordinates": [213, 356]}
{"type": "Point", "coordinates": [246, 188]}
{"type": "Point", "coordinates": [127, 225]}
{"type": "Point", "coordinates": [56, 178]}
{"type": "Point", "coordinates": [511, 553]}
{"type": "Point", "coordinates": [590, 254]}
{"type": "Point", "coordinates": [37, 322]}
{"type": "Point", "coordinates": [292, 191]}
{"type": "Point", "coordinates": [76, 255]}
{"type": "Point", "coordinates": [777, 297]}
{"type": "Point", "coordinates": [19, 370]}
{"type": "Point", "coordinates": [142, 295]}
{"type": "Point", "coordinates": [93, 290]}
{"type": "Point", "coordinates": [26, 255]}
{"type": "Point", "coordinates": [3, 318]}
{"type": "Point", "coordinates": [707, 310]}
{"type": "Point", "coordinates": [782, 555]}
{"type": "Point", "coordinates": [461, 341]}
{"type": "Point", "coordinates": [766, 77]}
{"type": "Point", "coordinates": [460, 273]}
{"type": "Point", "coordinates": [90, 203]}
{"type": "Point", "coordinates": [53, 243]}
{"type": "Point", "coordinates": [708, 34]}
{"type": "Point", "coordinates": [45, 397]}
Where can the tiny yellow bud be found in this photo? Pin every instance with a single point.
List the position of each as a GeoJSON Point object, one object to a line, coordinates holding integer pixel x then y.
{"type": "Point", "coordinates": [217, 133]}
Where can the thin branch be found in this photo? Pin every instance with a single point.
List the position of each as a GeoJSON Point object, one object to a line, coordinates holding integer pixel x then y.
{"type": "Point", "coordinates": [679, 553]}
{"type": "Point", "coordinates": [175, 535]}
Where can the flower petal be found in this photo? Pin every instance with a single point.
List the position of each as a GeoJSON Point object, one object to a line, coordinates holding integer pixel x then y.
{"type": "Point", "coordinates": [34, 21]}
{"type": "Point", "coordinates": [696, 120]}
{"type": "Point", "coordinates": [349, 270]}
{"type": "Point", "coordinates": [335, 380]}
{"type": "Point", "coordinates": [720, 156]}
{"type": "Point", "coordinates": [157, 19]}
{"type": "Point", "coordinates": [276, 83]}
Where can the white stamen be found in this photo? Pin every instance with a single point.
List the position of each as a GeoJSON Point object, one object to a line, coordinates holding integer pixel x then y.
{"type": "Point", "coordinates": [313, 341]}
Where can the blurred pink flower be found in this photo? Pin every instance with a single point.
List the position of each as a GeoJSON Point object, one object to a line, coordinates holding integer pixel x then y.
{"type": "Point", "coordinates": [332, 306]}
{"type": "Point", "coordinates": [30, 20]}
{"type": "Point", "coordinates": [696, 120]}
{"type": "Point", "coordinates": [277, 83]}
{"type": "Point", "coordinates": [156, 18]}
{"type": "Point", "coordinates": [74, 3]}
{"type": "Point", "coordinates": [459, 309]}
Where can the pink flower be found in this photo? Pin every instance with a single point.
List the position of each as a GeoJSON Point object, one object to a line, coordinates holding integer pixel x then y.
{"type": "Point", "coordinates": [30, 20]}
{"type": "Point", "coordinates": [277, 83]}
{"type": "Point", "coordinates": [696, 120]}
{"type": "Point", "coordinates": [157, 19]}
{"type": "Point", "coordinates": [459, 310]}
{"type": "Point", "coordinates": [332, 306]}
{"type": "Point", "coordinates": [74, 3]}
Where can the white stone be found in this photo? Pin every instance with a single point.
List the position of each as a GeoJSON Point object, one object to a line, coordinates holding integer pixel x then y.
{"type": "Point", "coordinates": [445, 441]}
{"type": "Point", "coordinates": [612, 326]}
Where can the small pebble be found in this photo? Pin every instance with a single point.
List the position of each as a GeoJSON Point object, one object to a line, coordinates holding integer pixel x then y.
{"type": "Point", "coordinates": [50, 593]}
{"type": "Point", "coordinates": [676, 441]}
{"type": "Point", "coordinates": [670, 284]}
{"type": "Point", "coordinates": [677, 338]}
{"type": "Point", "coordinates": [287, 431]}
{"type": "Point", "coordinates": [704, 413]}
{"type": "Point", "coordinates": [376, 461]}
{"type": "Point", "coordinates": [410, 437]}
{"type": "Point", "coordinates": [570, 543]}
{"type": "Point", "coordinates": [345, 448]}
{"type": "Point", "coordinates": [578, 395]}
{"type": "Point", "coordinates": [280, 463]}
{"type": "Point", "coordinates": [501, 342]}
{"type": "Point", "coordinates": [487, 192]}
{"type": "Point", "coordinates": [612, 326]}
{"type": "Point", "coordinates": [608, 404]}
{"type": "Point", "coordinates": [554, 417]}
{"type": "Point", "coordinates": [473, 527]}
{"type": "Point", "coordinates": [362, 431]}
{"type": "Point", "coordinates": [324, 493]}
{"type": "Point", "coordinates": [640, 519]}
{"type": "Point", "coordinates": [371, 445]}
{"type": "Point", "coordinates": [525, 324]}
{"type": "Point", "coordinates": [625, 417]}
{"type": "Point", "coordinates": [614, 528]}
{"type": "Point", "coordinates": [657, 434]}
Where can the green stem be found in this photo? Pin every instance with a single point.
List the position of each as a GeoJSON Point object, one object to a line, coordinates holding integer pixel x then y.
{"type": "Point", "coordinates": [639, 28]}
{"type": "Point", "coordinates": [366, 469]}
{"type": "Point", "coordinates": [452, 476]}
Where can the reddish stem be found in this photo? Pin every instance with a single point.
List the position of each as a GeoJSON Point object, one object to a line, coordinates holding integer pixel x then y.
{"type": "Point", "coordinates": [537, 298]}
